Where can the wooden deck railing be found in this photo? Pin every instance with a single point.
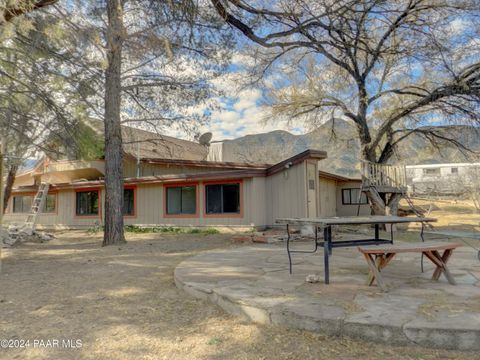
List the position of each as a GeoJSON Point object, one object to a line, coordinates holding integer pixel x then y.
{"type": "Point", "coordinates": [380, 175]}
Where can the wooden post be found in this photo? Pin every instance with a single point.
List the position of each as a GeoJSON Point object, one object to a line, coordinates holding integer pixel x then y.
{"type": "Point", "coordinates": [2, 192]}
{"type": "Point", "coordinates": [2, 154]}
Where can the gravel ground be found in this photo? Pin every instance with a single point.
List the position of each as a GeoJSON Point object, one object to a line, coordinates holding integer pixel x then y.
{"type": "Point", "coordinates": [121, 303]}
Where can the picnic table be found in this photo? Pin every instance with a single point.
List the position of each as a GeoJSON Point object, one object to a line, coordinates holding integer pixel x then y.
{"type": "Point", "coordinates": [328, 244]}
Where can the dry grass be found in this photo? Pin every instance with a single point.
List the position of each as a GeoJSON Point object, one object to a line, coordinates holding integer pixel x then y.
{"type": "Point", "coordinates": [457, 214]}
{"type": "Point", "coordinates": [122, 303]}
{"type": "Point", "coordinates": [441, 303]}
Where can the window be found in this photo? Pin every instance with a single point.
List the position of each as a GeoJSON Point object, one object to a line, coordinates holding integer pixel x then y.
{"type": "Point", "coordinates": [222, 198]}
{"type": "Point", "coordinates": [181, 200]}
{"type": "Point", "coordinates": [50, 204]}
{"type": "Point", "coordinates": [433, 171]}
{"type": "Point", "coordinates": [87, 203]}
{"type": "Point", "coordinates": [129, 202]}
{"type": "Point", "coordinates": [22, 204]}
{"type": "Point", "coordinates": [350, 197]}
{"type": "Point", "coordinates": [454, 170]}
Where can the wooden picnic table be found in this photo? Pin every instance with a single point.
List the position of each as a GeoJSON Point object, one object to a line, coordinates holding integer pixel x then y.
{"type": "Point", "coordinates": [328, 244]}
{"type": "Point", "coordinates": [384, 254]}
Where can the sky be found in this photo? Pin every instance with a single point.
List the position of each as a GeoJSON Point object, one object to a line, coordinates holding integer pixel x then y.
{"type": "Point", "coordinates": [240, 112]}
{"type": "Point", "coordinates": [243, 114]}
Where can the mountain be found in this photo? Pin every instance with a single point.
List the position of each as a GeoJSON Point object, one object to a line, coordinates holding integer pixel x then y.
{"type": "Point", "coordinates": [339, 140]}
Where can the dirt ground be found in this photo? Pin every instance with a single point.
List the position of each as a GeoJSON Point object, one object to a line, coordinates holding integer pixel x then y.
{"type": "Point", "coordinates": [451, 213]}
{"type": "Point", "coordinates": [121, 303]}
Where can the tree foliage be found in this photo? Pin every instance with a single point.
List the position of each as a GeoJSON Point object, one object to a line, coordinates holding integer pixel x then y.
{"type": "Point", "coordinates": [11, 9]}
{"type": "Point", "coordinates": [391, 67]}
{"type": "Point", "coordinates": [157, 58]}
{"type": "Point", "coordinates": [39, 105]}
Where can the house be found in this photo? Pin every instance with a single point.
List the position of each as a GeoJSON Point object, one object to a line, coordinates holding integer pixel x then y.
{"type": "Point", "coordinates": [441, 178]}
{"type": "Point", "coordinates": [171, 182]}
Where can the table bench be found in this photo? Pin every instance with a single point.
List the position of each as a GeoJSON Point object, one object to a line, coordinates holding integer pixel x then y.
{"type": "Point", "coordinates": [385, 253]}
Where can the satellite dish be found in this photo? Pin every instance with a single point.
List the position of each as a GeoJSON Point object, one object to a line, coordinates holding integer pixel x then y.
{"type": "Point", "coordinates": [205, 139]}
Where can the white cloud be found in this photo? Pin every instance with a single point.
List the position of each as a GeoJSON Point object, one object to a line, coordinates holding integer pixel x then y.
{"type": "Point", "coordinates": [242, 59]}
{"type": "Point", "coordinates": [247, 99]}
{"type": "Point", "coordinates": [239, 112]}
{"type": "Point", "coordinates": [459, 25]}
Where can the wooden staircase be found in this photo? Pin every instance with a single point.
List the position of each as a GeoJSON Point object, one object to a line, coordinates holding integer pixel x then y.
{"type": "Point", "coordinates": [37, 206]}
{"type": "Point", "coordinates": [386, 183]}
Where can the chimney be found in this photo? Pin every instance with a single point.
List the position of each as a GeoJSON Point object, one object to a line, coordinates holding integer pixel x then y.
{"type": "Point", "coordinates": [215, 152]}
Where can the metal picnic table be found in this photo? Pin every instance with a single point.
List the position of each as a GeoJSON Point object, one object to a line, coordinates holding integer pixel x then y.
{"type": "Point", "coordinates": [328, 244]}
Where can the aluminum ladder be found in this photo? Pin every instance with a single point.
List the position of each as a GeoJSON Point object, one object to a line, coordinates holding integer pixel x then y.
{"type": "Point", "coordinates": [37, 206]}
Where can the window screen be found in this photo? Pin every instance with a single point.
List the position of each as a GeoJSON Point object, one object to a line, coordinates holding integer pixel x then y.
{"type": "Point", "coordinates": [181, 200]}
{"type": "Point", "coordinates": [129, 202]}
{"type": "Point", "coordinates": [223, 198]}
{"type": "Point", "coordinates": [350, 197]}
{"type": "Point", "coordinates": [22, 204]}
{"type": "Point", "coordinates": [433, 171]}
{"type": "Point", "coordinates": [87, 203]}
{"type": "Point", "coordinates": [50, 204]}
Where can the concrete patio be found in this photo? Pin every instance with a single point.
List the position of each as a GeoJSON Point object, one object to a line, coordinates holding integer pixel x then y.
{"type": "Point", "coordinates": [253, 282]}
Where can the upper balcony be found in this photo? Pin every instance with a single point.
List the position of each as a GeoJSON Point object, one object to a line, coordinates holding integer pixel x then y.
{"type": "Point", "coordinates": [385, 178]}
{"type": "Point", "coordinates": [63, 171]}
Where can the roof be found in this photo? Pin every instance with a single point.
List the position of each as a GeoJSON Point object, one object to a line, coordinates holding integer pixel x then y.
{"type": "Point", "coordinates": [430, 166]}
{"type": "Point", "coordinates": [25, 171]}
{"type": "Point", "coordinates": [307, 154]}
{"type": "Point", "coordinates": [143, 144]}
{"type": "Point", "coordinates": [237, 170]}
{"type": "Point", "coordinates": [27, 165]}
{"type": "Point", "coordinates": [205, 163]}
{"type": "Point", "coordinates": [332, 176]}
{"type": "Point", "coordinates": [175, 178]}
{"type": "Point", "coordinates": [139, 143]}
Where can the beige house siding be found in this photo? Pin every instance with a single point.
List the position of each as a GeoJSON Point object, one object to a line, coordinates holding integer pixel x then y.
{"type": "Point", "coordinates": [286, 191]}
{"type": "Point", "coordinates": [150, 209]}
{"type": "Point", "coordinates": [24, 180]}
{"type": "Point", "coordinates": [291, 188]}
{"type": "Point", "coordinates": [64, 215]}
{"type": "Point", "coordinates": [327, 197]}
{"type": "Point", "coordinates": [349, 210]}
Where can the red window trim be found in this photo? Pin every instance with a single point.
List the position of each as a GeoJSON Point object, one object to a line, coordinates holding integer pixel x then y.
{"type": "Point", "coordinates": [99, 215]}
{"type": "Point", "coordinates": [197, 199]}
{"type": "Point", "coordinates": [225, 215]}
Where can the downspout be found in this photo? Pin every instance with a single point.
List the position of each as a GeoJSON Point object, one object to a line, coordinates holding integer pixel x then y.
{"type": "Point", "coordinates": [138, 159]}
{"type": "Point", "coordinates": [2, 154]}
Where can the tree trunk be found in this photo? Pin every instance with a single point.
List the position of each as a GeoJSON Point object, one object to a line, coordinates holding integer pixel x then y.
{"type": "Point", "coordinates": [12, 172]}
{"type": "Point", "coordinates": [376, 202]}
{"type": "Point", "coordinates": [113, 136]}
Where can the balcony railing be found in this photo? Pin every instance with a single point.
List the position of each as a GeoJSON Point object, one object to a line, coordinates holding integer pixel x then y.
{"type": "Point", "coordinates": [384, 177]}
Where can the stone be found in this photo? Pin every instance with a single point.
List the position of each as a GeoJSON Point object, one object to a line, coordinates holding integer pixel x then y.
{"type": "Point", "coordinates": [458, 331]}
{"type": "Point", "coordinates": [44, 236]}
{"type": "Point", "coordinates": [241, 238]}
{"type": "Point", "coordinates": [260, 239]}
{"type": "Point", "coordinates": [312, 278]}
{"type": "Point", "coordinates": [254, 282]}
{"type": "Point", "coordinates": [274, 232]}
{"type": "Point", "coordinates": [271, 239]}
{"type": "Point", "coordinates": [3, 235]}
